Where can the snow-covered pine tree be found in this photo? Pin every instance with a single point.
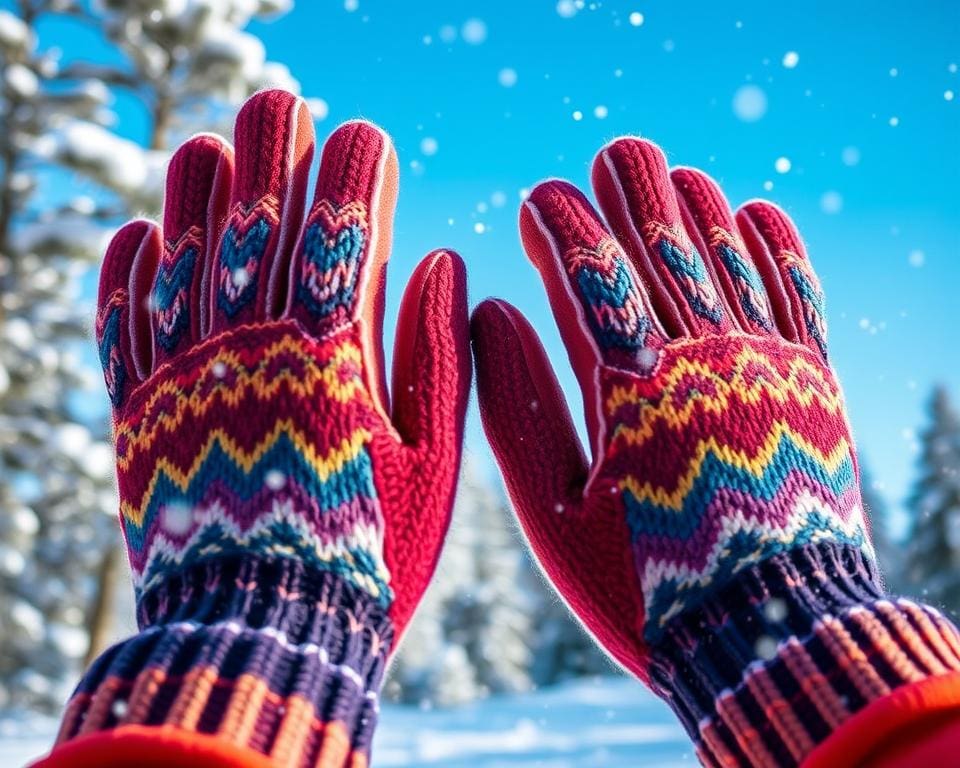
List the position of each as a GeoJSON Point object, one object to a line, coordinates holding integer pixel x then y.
{"type": "Point", "coordinates": [934, 548]}
{"type": "Point", "coordinates": [473, 633]}
{"type": "Point", "coordinates": [563, 649]}
{"type": "Point", "coordinates": [66, 178]}
{"type": "Point", "coordinates": [489, 622]}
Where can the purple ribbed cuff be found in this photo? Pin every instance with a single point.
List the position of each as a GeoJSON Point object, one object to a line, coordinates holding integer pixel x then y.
{"type": "Point", "coordinates": [266, 653]}
{"type": "Point", "coordinates": [790, 649]}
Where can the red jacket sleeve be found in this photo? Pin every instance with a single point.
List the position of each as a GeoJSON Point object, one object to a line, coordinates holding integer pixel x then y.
{"type": "Point", "coordinates": [916, 725]}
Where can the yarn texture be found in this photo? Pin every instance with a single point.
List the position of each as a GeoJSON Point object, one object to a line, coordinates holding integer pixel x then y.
{"type": "Point", "coordinates": [715, 544]}
{"type": "Point", "coordinates": [281, 518]}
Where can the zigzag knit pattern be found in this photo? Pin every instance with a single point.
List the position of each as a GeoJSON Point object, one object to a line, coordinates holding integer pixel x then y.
{"type": "Point", "coordinates": [731, 450]}
{"type": "Point", "coordinates": [255, 441]}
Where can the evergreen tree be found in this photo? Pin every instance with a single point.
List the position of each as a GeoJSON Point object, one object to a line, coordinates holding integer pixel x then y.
{"type": "Point", "coordinates": [934, 548]}
{"type": "Point", "coordinates": [489, 622]}
{"type": "Point", "coordinates": [186, 62]}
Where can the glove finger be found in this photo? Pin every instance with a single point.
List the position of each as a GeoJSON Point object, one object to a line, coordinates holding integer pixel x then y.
{"type": "Point", "coordinates": [338, 272]}
{"type": "Point", "coordinates": [524, 413]}
{"type": "Point", "coordinates": [633, 187]}
{"type": "Point", "coordinates": [792, 285]}
{"type": "Point", "coordinates": [274, 148]}
{"type": "Point", "coordinates": [585, 551]}
{"type": "Point", "coordinates": [598, 300]}
{"type": "Point", "coordinates": [709, 222]}
{"type": "Point", "coordinates": [199, 178]}
{"type": "Point", "coordinates": [431, 385]}
{"type": "Point", "coordinates": [431, 360]}
{"type": "Point", "coordinates": [123, 334]}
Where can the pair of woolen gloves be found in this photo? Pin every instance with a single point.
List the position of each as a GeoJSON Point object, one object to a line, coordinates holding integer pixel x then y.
{"type": "Point", "coordinates": [284, 509]}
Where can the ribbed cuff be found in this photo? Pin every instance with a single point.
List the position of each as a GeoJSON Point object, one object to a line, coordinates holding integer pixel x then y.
{"type": "Point", "coordinates": [266, 654]}
{"type": "Point", "coordinates": [791, 648]}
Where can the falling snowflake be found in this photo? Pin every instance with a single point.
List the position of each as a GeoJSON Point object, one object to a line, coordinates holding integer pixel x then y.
{"type": "Point", "coordinates": [474, 31]}
{"type": "Point", "coordinates": [749, 103]}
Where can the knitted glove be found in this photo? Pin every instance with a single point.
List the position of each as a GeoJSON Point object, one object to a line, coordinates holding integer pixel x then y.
{"type": "Point", "coordinates": [281, 519]}
{"type": "Point", "coordinates": [717, 546]}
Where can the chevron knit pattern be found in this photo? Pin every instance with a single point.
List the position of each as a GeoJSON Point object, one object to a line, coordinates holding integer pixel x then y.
{"type": "Point", "coordinates": [731, 450]}
{"type": "Point", "coordinates": [781, 656]}
{"type": "Point", "coordinates": [256, 441]}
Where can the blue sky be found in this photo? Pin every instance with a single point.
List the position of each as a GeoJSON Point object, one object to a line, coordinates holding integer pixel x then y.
{"type": "Point", "coordinates": [866, 117]}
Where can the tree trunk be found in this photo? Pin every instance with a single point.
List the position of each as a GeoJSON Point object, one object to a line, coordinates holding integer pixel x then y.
{"type": "Point", "coordinates": [99, 622]}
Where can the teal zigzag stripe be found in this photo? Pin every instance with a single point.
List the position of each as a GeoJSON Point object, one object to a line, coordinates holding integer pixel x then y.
{"type": "Point", "coordinates": [279, 539]}
{"type": "Point", "coordinates": [647, 518]}
{"type": "Point", "coordinates": [354, 479]}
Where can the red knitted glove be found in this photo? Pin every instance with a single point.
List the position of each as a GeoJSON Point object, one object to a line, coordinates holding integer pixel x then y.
{"type": "Point", "coordinates": [721, 518]}
{"type": "Point", "coordinates": [282, 520]}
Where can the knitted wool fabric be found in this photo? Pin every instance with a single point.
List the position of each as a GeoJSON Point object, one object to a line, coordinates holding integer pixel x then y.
{"type": "Point", "coordinates": [717, 545]}
{"type": "Point", "coordinates": [281, 521]}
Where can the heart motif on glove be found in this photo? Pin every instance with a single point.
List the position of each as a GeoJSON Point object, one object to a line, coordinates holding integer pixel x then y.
{"type": "Point", "coordinates": [746, 280]}
{"type": "Point", "coordinates": [108, 344]}
{"type": "Point", "coordinates": [686, 265]}
{"type": "Point", "coordinates": [171, 291]}
{"type": "Point", "coordinates": [333, 245]}
{"type": "Point", "coordinates": [610, 295]}
{"type": "Point", "coordinates": [241, 252]}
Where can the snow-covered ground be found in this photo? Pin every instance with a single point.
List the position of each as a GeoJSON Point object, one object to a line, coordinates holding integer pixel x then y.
{"type": "Point", "coordinates": [586, 723]}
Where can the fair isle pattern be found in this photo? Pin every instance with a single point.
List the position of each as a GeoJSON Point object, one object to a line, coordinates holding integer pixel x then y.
{"type": "Point", "coordinates": [733, 449]}
{"type": "Point", "coordinates": [333, 245]}
{"type": "Point", "coordinates": [232, 450]}
{"type": "Point", "coordinates": [242, 249]}
{"type": "Point", "coordinates": [686, 265]}
{"type": "Point", "coordinates": [746, 280]}
{"type": "Point", "coordinates": [898, 641]}
{"type": "Point", "coordinates": [171, 299]}
{"type": "Point", "coordinates": [609, 294]}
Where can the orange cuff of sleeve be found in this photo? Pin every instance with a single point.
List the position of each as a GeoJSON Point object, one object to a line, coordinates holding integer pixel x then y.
{"type": "Point", "coordinates": [892, 732]}
{"type": "Point", "coordinates": [143, 746]}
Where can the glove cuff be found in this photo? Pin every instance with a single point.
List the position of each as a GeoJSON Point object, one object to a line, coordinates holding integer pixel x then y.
{"type": "Point", "coordinates": [266, 654]}
{"type": "Point", "coordinates": [791, 648]}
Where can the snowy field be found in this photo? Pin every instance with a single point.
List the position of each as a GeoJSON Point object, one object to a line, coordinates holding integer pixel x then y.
{"type": "Point", "coordinates": [578, 725]}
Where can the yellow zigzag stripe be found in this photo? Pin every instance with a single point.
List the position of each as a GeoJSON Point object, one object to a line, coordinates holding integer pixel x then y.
{"type": "Point", "coordinates": [325, 466]}
{"type": "Point", "coordinates": [781, 390]}
{"type": "Point", "coordinates": [755, 465]}
{"type": "Point", "coordinates": [142, 436]}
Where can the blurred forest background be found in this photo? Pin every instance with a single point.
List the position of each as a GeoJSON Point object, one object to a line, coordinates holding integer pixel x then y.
{"type": "Point", "coordinates": [67, 179]}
